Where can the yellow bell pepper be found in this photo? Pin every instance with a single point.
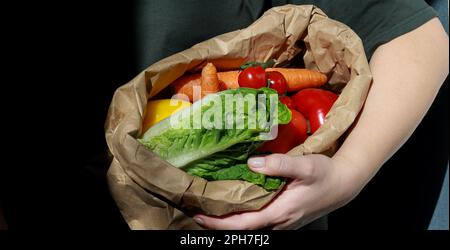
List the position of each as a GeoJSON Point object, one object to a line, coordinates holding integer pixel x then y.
{"type": "Point", "coordinates": [158, 110]}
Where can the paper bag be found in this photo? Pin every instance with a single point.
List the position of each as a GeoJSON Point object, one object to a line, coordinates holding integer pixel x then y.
{"type": "Point", "coordinates": [151, 193]}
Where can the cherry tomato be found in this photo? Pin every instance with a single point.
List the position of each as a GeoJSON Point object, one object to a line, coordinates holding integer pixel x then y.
{"type": "Point", "coordinates": [289, 136]}
{"type": "Point", "coordinates": [252, 77]}
{"type": "Point", "coordinates": [314, 104]}
{"type": "Point", "coordinates": [277, 82]}
{"type": "Point", "coordinates": [287, 101]}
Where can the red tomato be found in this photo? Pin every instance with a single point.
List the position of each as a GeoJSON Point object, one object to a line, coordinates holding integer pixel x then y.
{"type": "Point", "coordinates": [277, 82]}
{"type": "Point", "coordinates": [289, 136]}
{"type": "Point", "coordinates": [314, 104]}
{"type": "Point", "coordinates": [287, 101]}
{"type": "Point", "coordinates": [252, 77]}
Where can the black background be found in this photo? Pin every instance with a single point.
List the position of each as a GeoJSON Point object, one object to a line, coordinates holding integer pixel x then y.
{"type": "Point", "coordinates": [64, 62]}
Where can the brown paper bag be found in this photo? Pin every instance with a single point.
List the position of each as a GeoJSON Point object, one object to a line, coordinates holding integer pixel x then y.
{"type": "Point", "coordinates": [152, 194]}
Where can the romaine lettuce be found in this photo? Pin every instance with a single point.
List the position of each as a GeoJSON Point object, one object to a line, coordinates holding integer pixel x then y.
{"type": "Point", "coordinates": [215, 136]}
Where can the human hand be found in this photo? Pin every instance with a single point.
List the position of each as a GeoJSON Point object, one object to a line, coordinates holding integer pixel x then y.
{"type": "Point", "coordinates": [318, 185]}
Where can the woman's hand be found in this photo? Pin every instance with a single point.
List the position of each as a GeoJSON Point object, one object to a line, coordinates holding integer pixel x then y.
{"type": "Point", "coordinates": [318, 185]}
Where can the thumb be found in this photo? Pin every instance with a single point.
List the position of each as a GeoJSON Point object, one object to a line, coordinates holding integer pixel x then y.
{"type": "Point", "coordinates": [279, 165]}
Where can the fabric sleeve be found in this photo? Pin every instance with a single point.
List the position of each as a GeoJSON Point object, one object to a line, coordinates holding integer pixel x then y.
{"type": "Point", "coordinates": [375, 21]}
{"type": "Point", "coordinates": [402, 19]}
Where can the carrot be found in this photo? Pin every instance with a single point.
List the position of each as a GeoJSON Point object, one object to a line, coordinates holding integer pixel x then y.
{"type": "Point", "coordinates": [229, 79]}
{"type": "Point", "coordinates": [297, 79]}
{"type": "Point", "coordinates": [209, 80]}
{"type": "Point", "coordinates": [205, 83]}
{"type": "Point", "coordinates": [185, 84]}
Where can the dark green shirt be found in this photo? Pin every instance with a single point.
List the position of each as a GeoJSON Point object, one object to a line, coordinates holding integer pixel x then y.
{"type": "Point", "coordinates": [166, 27]}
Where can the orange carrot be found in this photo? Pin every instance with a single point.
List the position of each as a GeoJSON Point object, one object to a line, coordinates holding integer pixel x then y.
{"type": "Point", "coordinates": [229, 79]}
{"type": "Point", "coordinates": [209, 80]}
{"type": "Point", "coordinates": [205, 83]}
{"type": "Point", "coordinates": [184, 86]}
{"type": "Point", "coordinates": [297, 79]}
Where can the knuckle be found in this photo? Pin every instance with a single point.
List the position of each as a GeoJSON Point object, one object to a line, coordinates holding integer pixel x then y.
{"type": "Point", "coordinates": [280, 218]}
{"type": "Point", "coordinates": [277, 162]}
{"type": "Point", "coordinates": [308, 169]}
{"type": "Point", "coordinates": [254, 221]}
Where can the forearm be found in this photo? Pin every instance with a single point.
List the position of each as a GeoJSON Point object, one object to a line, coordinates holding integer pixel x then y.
{"type": "Point", "coordinates": [407, 74]}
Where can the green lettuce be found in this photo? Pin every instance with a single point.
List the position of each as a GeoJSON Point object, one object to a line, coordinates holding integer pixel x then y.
{"type": "Point", "coordinates": [208, 141]}
{"type": "Point", "coordinates": [231, 165]}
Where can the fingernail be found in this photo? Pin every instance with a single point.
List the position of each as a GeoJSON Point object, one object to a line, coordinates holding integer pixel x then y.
{"type": "Point", "coordinates": [256, 162]}
{"type": "Point", "coordinates": [198, 220]}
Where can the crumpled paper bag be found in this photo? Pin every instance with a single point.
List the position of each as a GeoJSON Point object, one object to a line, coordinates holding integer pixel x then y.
{"type": "Point", "coordinates": [152, 194]}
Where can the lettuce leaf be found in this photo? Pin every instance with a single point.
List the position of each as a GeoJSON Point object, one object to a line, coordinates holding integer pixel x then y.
{"type": "Point", "coordinates": [208, 140]}
{"type": "Point", "coordinates": [231, 165]}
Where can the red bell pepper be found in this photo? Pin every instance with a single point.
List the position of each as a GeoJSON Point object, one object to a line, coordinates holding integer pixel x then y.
{"type": "Point", "coordinates": [289, 136]}
{"type": "Point", "coordinates": [287, 101]}
{"type": "Point", "coordinates": [314, 104]}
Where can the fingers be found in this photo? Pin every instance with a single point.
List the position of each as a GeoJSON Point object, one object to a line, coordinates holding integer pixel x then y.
{"type": "Point", "coordinates": [244, 221]}
{"type": "Point", "coordinates": [282, 165]}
